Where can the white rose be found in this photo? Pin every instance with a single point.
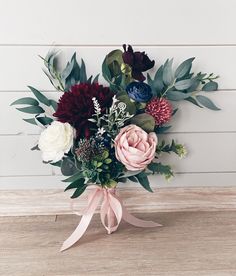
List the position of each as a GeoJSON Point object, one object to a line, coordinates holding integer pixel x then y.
{"type": "Point", "coordinates": [55, 141]}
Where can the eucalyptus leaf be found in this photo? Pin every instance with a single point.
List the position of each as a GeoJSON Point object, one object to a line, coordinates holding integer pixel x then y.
{"type": "Point", "coordinates": [184, 68]}
{"type": "Point", "coordinates": [66, 72]}
{"type": "Point", "coordinates": [89, 80]}
{"type": "Point", "coordinates": [176, 95]}
{"type": "Point", "coordinates": [44, 120]}
{"type": "Point", "coordinates": [195, 84]}
{"type": "Point", "coordinates": [105, 70]}
{"type": "Point", "coordinates": [158, 84]}
{"type": "Point", "coordinates": [30, 121]}
{"type": "Point", "coordinates": [206, 102]}
{"type": "Point", "coordinates": [210, 86]}
{"type": "Point", "coordinates": [56, 164]}
{"type": "Point", "coordinates": [95, 80]}
{"type": "Point", "coordinates": [31, 109]}
{"type": "Point", "coordinates": [68, 167]}
{"type": "Point", "coordinates": [40, 96]}
{"type": "Point", "coordinates": [26, 100]}
{"type": "Point", "coordinates": [53, 104]}
{"type": "Point", "coordinates": [83, 75]}
{"type": "Point", "coordinates": [168, 77]}
{"type": "Point", "coordinates": [183, 84]}
{"type": "Point", "coordinates": [193, 101]}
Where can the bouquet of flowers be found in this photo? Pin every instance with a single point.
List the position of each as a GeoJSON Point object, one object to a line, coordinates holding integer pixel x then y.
{"type": "Point", "coordinates": [102, 135]}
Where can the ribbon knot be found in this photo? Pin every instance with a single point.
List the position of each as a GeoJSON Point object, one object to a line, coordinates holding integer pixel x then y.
{"type": "Point", "coordinates": [112, 212]}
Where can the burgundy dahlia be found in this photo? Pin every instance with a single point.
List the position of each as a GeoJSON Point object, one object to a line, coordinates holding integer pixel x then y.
{"type": "Point", "coordinates": [160, 109]}
{"type": "Point", "coordinates": [76, 106]}
{"type": "Point", "coordinates": [138, 61]}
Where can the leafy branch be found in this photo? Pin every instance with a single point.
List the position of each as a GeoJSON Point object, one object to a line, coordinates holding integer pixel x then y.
{"type": "Point", "coordinates": [178, 149]}
{"type": "Point", "coordinates": [182, 84]}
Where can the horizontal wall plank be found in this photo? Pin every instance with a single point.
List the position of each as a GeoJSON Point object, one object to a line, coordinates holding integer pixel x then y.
{"type": "Point", "coordinates": [56, 202]}
{"type": "Point", "coordinates": [180, 180]}
{"type": "Point", "coordinates": [208, 152]}
{"type": "Point", "coordinates": [106, 22]}
{"type": "Point", "coordinates": [16, 158]}
{"type": "Point", "coordinates": [23, 66]}
{"type": "Point", "coordinates": [189, 118]}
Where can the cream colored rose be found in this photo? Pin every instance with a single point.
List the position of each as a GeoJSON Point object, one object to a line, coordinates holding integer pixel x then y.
{"type": "Point", "coordinates": [55, 141]}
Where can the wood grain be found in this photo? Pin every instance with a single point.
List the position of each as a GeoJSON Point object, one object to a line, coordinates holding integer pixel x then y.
{"type": "Point", "coordinates": [189, 244]}
{"type": "Point", "coordinates": [55, 202]}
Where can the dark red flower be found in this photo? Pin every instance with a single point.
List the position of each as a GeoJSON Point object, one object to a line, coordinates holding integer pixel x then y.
{"type": "Point", "coordinates": [76, 106]}
{"type": "Point", "coordinates": [138, 61]}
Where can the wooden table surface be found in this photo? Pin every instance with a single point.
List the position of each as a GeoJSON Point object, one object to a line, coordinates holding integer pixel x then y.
{"type": "Point", "coordinates": [189, 244]}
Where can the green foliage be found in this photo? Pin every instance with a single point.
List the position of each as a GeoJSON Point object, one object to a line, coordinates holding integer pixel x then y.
{"type": "Point", "coordinates": [168, 76]}
{"type": "Point", "coordinates": [159, 168]}
{"type": "Point", "coordinates": [210, 86]}
{"type": "Point", "coordinates": [35, 107]}
{"type": "Point", "coordinates": [39, 96]}
{"type": "Point", "coordinates": [181, 84]}
{"type": "Point", "coordinates": [145, 121]}
{"type": "Point", "coordinates": [172, 147]}
{"type": "Point", "coordinates": [44, 120]}
{"type": "Point", "coordinates": [184, 68]}
{"type": "Point", "coordinates": [176, 95]}
{"type": "Point", "coordinates": [26, 100]}
{"type": "Point", "coordinates": [203, 100]}
{"type": "Point", "coordinates": [73, 73]}
{"type": "Point", "coordinates": [162, 129]}
{"type": "Point", "coordinates": [31, 109]}
{"type": "Point", "coordinates": [115, 72]}
{"type": "Point", "coordinates": [79, 187]}
{"type": "Point", "coordinates": [68, 166]}
{"type": "Point", "coordinates": [78, 192]}
{"type": "Point", "coordinates": [143, 180]}
{"type": "Point", "coordinates": [130, 106]}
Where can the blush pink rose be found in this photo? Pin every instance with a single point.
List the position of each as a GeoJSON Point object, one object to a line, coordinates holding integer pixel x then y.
{"type": "Point", "coordinates": [135, 148]}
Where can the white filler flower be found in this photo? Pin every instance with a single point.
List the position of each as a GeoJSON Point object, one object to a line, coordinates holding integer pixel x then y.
{"type": "Point", "coordinates": [55, 141]}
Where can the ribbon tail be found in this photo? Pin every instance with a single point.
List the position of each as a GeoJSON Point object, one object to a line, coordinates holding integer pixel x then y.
{"type": "Point", "coordinates": [78, 233]}
{"type": "Point", "coordinates": [84, 222]}
{"type": "Point", "coordinates": [112, 209]}
{"type": "Point", "coordinates": [136, 221]}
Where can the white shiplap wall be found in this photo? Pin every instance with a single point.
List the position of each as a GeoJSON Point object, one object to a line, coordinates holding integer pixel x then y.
{"type": "Point", "coordinates": [180, 29]}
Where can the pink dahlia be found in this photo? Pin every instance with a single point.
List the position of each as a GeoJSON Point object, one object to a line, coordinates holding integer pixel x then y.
{"type": "Point", "coordinates": [160, 109]}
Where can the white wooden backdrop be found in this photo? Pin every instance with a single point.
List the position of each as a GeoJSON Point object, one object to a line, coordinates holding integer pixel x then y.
{"type": "Point", "coordinates": [181, 29]}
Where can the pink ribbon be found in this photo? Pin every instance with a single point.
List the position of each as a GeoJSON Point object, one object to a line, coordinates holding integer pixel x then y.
{"type": "Point", "coordinates": [112, 211]}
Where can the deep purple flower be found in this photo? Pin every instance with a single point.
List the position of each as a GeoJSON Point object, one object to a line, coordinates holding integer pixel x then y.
{"type": "Point", "coordinates": [139, 91]}
{"type": "Point", "coordinates": [138, 61]}
{"type": "Point", "coordinates": [76, 106]}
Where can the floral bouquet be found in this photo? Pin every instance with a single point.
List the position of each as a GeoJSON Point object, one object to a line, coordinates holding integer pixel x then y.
{"type": "Point", "coordinates": [102, 135]}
